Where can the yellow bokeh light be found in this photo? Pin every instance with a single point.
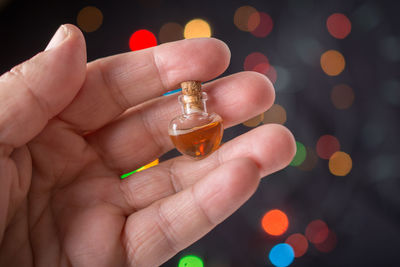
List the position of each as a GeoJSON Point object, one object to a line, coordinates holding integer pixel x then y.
{"type": "Point", "coordinates": [332, 62]}
{"type": "Point", "coordinates": [89, 19]}
{"type": "Point", "coordinates": [197, 28]}
{"type": "Point", "coordinates": [151, 164]}
{"type": "Point", "coordinates": [242, 18]}
{"type": "Point", "coordinates": [255, 121]}
{"type": "Point", "coordinates": [340, 163]}
{"type": "Point", "coordinates": [276, 114]}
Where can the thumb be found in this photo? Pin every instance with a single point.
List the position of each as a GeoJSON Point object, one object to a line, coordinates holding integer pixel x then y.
{"type": "Point", "coordinates": [38, 89]}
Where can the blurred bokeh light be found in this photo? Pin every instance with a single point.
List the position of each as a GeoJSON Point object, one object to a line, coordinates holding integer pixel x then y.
{"type": "Point", "coordinates": [339, 25]}
{"type": "Point", "coordinates": [142, 39]}
{"type": "Point", "coordinates": [89, 19]}
{"type": "Point", "coordinates": [275, 114]}
{"type": "Point", "coordinates": [317, 231]}
{"type": "Point", "coordinates": [342, 96]}
{"type": "Point", "coordinates": [299, 244]}
{"type": "Point", "coordinates": [281, 255]}
{"type": "Point", "coordinates": [340, 163]}
{"type": "Point", "coordinates": [332, 62]}
{"type": "Point", "coordinates": [197, 28]}
{"type": "Point", "coordinates": [170, 32]}
{"type": "Point", "coordinates": [275, 222]}
{"type": "Point", "coordinates": [242, 16]}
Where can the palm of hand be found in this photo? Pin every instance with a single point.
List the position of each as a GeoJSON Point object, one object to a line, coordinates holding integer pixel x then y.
{"type": "Point", "coordinates": [63, 202]}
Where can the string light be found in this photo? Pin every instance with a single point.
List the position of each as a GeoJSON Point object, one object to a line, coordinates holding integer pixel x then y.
{"type": "Point", "coordinates": [299, 244]}
{"type": "Point", "coordinates": [342, 96]}
{"type": "Point", "coordinates": [340, 163]}
{"type": "Point", "coordinates": [197, 28]}
{"type": "Point", "coordinates": [89, 18]}
{"type": "Point", "coordinates": [151, 164]}
{"type": "Point", "coordinates": [327, 145]}
{"type": "Point", "coordinates": [170, 32]}
{"type": "Point", "coordinates": [241, 18]}
{"type": "Point", "coordinates": [142, 39]}
{"type": "Point", "coordinates": [256, 59]}
{"type": "Point", "coordinates": [300, 155]}
{"type": "Point", "coordinates": [191, 261]}
{"type": "Point", "coordinates": [317, 231]}
{"type": "Point", "coordinates": [275, 222]}
{"type": "Point", "coordinates": [281, 255]}
{"type": "Point", "coordinates": [255, 121]}
{"type": "Point", "coordinates": [275, 114]}
{"type": "Point", "coordinates": [332, 62]}
{"type": "Point", "coordinates": [339, 25]}
{"type": "Point", "coordinates": [264, 26]}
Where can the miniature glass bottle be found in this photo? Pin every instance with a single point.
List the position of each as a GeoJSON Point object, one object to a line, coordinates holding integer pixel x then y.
{"type": "Point", "coordinates": [195, 132]}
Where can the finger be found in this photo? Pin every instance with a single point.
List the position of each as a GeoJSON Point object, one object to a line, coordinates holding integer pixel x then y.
{"type": "Point", "coordinates": [145, 130]}
{"type": "Point", "coordinates": [117, 83]}
{"type": "Point", "coordinates": [38, 89]}
{"type": "Point", "coordinates": [155, 234]}
{"type": "Point", "coordinates": [271, 147]}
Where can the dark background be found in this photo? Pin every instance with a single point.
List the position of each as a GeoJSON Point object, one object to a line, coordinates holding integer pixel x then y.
{"type": "Point", "coordinates": [363, 207]}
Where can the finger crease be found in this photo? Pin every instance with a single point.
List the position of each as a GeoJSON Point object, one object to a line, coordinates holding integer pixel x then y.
{"type": "Point", "coordinates": [127, 195]}
{"type": "Point", "coordinates": [165, 227]}
{"type": "Point", "coordinates": [150, 133]}
{"type": "Point", "coordinates": [43, 105]}
{"type": "Point", "coordinates": [157, 67]}
{"type": "Point", "coordinates": [121, 101]}
{"type": "Point", "coordinates": [175, 181]}
{"type": "Point", "coordinates": [201, 208]}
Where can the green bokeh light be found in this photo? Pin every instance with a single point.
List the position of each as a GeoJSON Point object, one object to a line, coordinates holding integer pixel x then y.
{"type": "Point", "coordinates": [300, 155]}
{"type": "Point", "coordinates": [190, 261]}
{"type": "Point", "coordinates": [127, 174]}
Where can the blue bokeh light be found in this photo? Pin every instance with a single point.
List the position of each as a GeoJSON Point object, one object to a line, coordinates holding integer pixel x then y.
{"type": "Point", "coordinates": [281, 255]}
{"type": "Point", "coordinates": [173, 91]}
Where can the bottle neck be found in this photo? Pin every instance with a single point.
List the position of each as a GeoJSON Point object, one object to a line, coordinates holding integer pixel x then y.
{"type": "Point", "coordinates": [193, 104]}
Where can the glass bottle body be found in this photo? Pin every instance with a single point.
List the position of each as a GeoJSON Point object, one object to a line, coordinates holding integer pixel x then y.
{"type": "Point", "coordinates": [196, 133]}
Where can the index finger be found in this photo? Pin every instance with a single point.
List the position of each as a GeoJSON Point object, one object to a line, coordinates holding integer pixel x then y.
{"type": "Point", "coordinates": [117, 83]}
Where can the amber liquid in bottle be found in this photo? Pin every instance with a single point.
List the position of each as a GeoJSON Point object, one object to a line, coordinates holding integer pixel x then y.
{"type": "Point", "coordinates": [199, 141]}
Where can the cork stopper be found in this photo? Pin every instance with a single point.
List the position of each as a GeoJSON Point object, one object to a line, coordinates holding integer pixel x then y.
{"type": "Point", "coordinates": [191, 91]}
{"type": "Point", "coordinates": [191, 88]}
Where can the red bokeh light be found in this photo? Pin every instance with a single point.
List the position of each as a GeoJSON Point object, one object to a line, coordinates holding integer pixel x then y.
{"type": "Point", "coordinates": [339, 26]}
{"type": "Point", "coordinates": [142, 39]}
{"type": "Point", "coordinates": [317, 231]}
{"type": "Point", "coordinates": [327, 145]}
{"type": "Point", "coordinates": [299, 244]}
{"type": "Point", "coordinates": [264, 26]}
{"type": "Point", "coordinates": [256, 61]}
{"type": "Point", "coordinates": [329, 244]}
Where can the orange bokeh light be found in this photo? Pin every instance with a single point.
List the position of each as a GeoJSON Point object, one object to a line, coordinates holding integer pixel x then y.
{"type": "Point", "coordinates": [339, 26]}
{"type": "Point", "coordinates": [340, 163]}
{"type": "Point", "coordinates": [299, 244]}
{"type": "Point", "coordinates": [275, 222]}
{"type": "Point", "coordinates": [332, 62]}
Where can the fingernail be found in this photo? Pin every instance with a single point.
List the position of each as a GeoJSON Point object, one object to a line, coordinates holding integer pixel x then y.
{"type": "Point", "coordinates": [58, 37]}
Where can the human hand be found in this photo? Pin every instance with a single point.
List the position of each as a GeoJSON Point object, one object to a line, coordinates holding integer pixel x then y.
{"type": "Point", "coordinates": [68, 130]}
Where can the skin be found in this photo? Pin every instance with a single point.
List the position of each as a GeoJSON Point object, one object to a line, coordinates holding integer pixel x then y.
{"type": "Point", "coordinates": [69, 129]}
